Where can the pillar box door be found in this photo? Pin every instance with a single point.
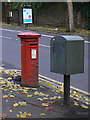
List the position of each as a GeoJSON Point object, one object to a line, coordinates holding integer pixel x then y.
{"type": "Point", "coordinates": [29, 58]}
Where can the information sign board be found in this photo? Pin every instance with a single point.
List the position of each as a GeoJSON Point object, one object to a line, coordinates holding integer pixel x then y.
{"type": "Point", "coordinates": [27, 15]}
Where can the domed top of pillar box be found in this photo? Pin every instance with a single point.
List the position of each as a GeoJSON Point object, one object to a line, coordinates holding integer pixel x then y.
{"type": "Point", "coordinates": [29, 35]}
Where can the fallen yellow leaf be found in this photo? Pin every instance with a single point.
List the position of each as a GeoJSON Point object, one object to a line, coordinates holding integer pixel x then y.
{"type": "Point", "coordinates": [59, 97]}
{"type": "Point", "coordinates": [76, 98]}
{"type": "Point", "coordinates": [53, 102]}
{"type": "Point", "coordinates": [10, 110]}
{"type": "Point", "coordinates": [12, 96]}
{"type": "Point", "coordinates": [61, 90]}
{"type": "Point", "coordinates": [42, 94]}
{"type": "Point", "coordinates": [5, 96]}
{"type": "Point", "coordinates": [43, 81]}
{"type": "Point", "coordinates": [24, 92]}
{"type": "Point", "coordinates": [52, 98]}
{"type": "Point", "coordinates": [6, 100]}
{"type": "Point", "coordinates": [2, 65]}
{"type": "Point", "coordinates": [71, 95]}
{"type": "Point", "coordinates": [34, 88]}
{"type": "Point", "coordinates": [85, 98]}
{"type": "Point", "coordinates": [75, 103]}
{"type": "Point", "coordinates": [36, 93]}
{"type": "Point", "coordinates": [10, 78]}
{"type": "Point", "coordinates": [23, 116]}
{"type": "Point", "coordinates": [25, 113]}
{"type": "Point", "coordinates": [42, 114]}
{"type": "Point", "coordinates": [45, 98]}
{"type": "Point", "coordinates": [3, 85]}
{"type": "Point", "coordinates": [40, 99]}
{"type": "Point", "coordinates": [1, 78]}
{"type": "Point", "coordinates": [48, 83]}
{"type": "Point", "coordinates": [88, 103]}
{"type": "Point", "coordinates": [29, 114]}
{"type": "Point", "coordinates": [83, 106]}
{"type": "Point", "coordinates": [16, 105]}
{"type": "Point", "coordinates": [53, 90]}
{"type": "Point", "coordinates": [45, 104]}
{"type": "Point", "coordinates": [18, 116]}
{"type": "Point", "coordinates": [29, 95]}
{"type": "Point", "coordinates": [23, 104]}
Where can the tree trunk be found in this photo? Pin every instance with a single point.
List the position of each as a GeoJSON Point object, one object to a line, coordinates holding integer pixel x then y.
{"type": "Point", "coordinates": [70, 16]}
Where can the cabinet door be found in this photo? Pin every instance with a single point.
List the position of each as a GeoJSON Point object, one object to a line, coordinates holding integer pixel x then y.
{"type": "Point", "coordinates": [31, 63]}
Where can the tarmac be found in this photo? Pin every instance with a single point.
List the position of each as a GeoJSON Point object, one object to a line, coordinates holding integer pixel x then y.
{"type": "Point", "coordinates": [44, 102]}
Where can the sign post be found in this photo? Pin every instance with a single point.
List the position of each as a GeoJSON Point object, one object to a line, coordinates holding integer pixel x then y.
{"type": "Point", "coordinates": [10, 13]}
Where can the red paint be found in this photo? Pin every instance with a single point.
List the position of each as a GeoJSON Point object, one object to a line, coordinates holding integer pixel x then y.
{"type": "Point", "coordinates": [29, 35]}
{"type": "Point", "coordinates": [29, 16]}
{"type": "Point", "coordinates": [29, 66]}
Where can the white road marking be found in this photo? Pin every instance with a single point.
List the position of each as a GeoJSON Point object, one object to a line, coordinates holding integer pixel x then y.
{"type": "Point", "coordinates": [47, 35]}
{"type": "Point", "coordinates": [87, 42]}
{"type": "Point", "coordinates": [10, 30]}
{"type": "Point", "coordinates": [19, 31]}
{"type": "Point", "coordinates": [44, 45]}
{"type": "Point", "coordinates": [41, 35]}
{"type": "Point", "coordinates": [5, 37]}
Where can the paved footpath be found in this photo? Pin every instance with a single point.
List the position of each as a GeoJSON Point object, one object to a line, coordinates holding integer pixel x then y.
{"type": "Point", "coordinates": [43, 102]}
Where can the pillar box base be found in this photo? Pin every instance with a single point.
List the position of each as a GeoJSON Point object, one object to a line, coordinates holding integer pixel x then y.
{"type": "Point", "coordinates": [32, 85]}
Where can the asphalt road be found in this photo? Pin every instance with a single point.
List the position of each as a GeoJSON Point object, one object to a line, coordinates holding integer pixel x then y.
{"type": "Point", "coordinates": [11, 57]}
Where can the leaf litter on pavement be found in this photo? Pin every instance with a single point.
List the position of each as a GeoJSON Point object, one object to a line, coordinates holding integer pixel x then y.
{"type": "Point", "coordinates": [9, 85]}
{"type": "Point", "coordinates": [24, 104]}
{"type": "Point", "coordinates": [23, 115]}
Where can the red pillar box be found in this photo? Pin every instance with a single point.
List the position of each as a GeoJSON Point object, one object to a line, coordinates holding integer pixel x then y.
{"type": "Point", "coordinates": [29, 58]}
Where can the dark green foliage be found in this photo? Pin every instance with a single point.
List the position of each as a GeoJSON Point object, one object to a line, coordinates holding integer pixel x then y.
{"type": "Point", "coordinates": [83, 7]}
{"type": "Point", "coordinates": [35, 5]}
{"type": "Point", "coordinates": [38, 5]}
